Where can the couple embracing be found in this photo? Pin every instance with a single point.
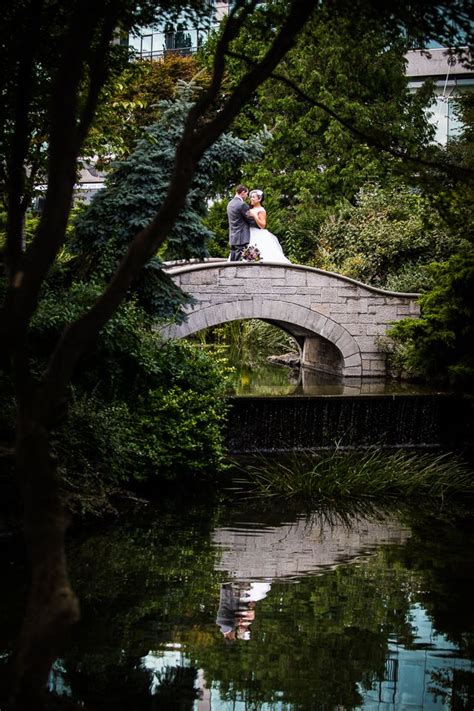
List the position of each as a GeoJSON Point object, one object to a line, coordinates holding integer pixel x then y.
{"type": "Point", "coordinates": [247, 227]}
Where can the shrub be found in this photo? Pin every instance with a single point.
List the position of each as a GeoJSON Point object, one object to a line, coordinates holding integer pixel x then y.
{"type": "Point", "coordinates": [440, 344]}
{"type": "Point", "coordinates": [389, 234]}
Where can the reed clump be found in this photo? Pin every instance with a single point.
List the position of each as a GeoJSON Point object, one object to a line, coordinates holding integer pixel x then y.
{"type": "Point", "coordinates": [372, 474]}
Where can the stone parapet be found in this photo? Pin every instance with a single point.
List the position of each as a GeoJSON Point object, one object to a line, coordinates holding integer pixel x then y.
{"type": "Point", "coordinates": [309, 303]}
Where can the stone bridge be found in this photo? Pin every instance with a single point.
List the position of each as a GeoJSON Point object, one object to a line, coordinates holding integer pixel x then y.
{"type": "Point", "coordinates": [335, 320]}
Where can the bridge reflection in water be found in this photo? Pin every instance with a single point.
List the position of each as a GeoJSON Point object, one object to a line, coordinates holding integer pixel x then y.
{"type": "Point", "coordinates": [251, 551]}
{"type": "Point", "coordinates": [278, 380]}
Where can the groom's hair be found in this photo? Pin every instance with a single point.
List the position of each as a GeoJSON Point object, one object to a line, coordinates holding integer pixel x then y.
{"type": "Point", "coordinates": [241, 189]}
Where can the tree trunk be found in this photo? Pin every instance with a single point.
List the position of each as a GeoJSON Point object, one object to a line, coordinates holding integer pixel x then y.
{"type": "Point", "coordinates": [52, 606]}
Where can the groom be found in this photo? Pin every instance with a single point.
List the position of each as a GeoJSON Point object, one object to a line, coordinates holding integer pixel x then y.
{"type": "Point", "coordinates": [239, 223]}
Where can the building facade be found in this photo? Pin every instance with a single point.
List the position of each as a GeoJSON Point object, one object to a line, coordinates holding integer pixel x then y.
{"type": "Point", "coordinates": [450, 78]}
{"type": "Point", "coordinates": [181, 37]}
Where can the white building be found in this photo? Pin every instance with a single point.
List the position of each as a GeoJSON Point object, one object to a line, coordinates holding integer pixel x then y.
{"type": "Point", "coordinates": [450, 78]}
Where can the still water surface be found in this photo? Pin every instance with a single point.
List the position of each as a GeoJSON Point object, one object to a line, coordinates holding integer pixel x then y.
{"type": "Point", "coordinates": [232, 604]}
{"type": "Point", "coordinates": [278, 380]}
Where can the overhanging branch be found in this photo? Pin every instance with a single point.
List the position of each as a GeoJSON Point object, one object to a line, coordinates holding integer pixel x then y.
{"type": "Point", "coordinates": [194, 142]}
{"type": "Point", "coordinates": [456, 171]}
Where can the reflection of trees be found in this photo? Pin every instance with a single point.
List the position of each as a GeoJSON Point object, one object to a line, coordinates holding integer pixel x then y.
{"type": "Point", "coordinates": [444, 560]}
{"type": "Point", "coordinates": [314, 643]}
{"type": "Point", "coordinates": [148, 580]}
{"type": "Point", "coordinates": [455, 688]}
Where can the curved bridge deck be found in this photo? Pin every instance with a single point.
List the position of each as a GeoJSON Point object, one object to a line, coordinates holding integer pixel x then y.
{"type": "Point", "coordinates": [335, 320]}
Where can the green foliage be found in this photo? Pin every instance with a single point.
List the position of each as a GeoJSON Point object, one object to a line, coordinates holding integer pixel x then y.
{"type": "Point", "coordinates": [411, 277]}
{"type": "Point", "coordinates": [355, 67]}
{"type": "Point", "coordinates": [440, 344]}
{"type": "Point", "coordinates": [248, 343]}
{"type": "Point", "coordinates": [131, 101]}
{"type": "Point", "coordinates": [133, 195]}
{"type": "Point", "coordinates": [389, 234]}
{"type": "Point", "coordinates": [94, 453]}
{"type": "Point", "coordinates": [141, 409]}
{"type": "Point", "coordinates": [217, 223]}
{"type": "Point", "coordinates": [169, 432]}
{"type": "Point", "coordinates": [180, 430]}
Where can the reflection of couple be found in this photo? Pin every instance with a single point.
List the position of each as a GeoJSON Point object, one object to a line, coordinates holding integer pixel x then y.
{"type": "Point", "coordinates": [237, 608]}
{"type": "Point", "coordinates": [247, 227]}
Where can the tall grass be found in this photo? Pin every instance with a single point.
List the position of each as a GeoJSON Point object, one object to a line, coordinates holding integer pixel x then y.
{"type": "Point", "coordinates": [372, 474]}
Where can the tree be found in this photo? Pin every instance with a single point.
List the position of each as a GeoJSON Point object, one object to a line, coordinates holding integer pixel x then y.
{"type": "Point", "coordinates": [134, 191]}
{"type": "Point", "coordinates": [440, 345]}
{"type": "Point", "coordinates": [340, 114]}
{"type": "Point", "coordinates": [72, 45]}
{"type": "Point", "coordinates": [53, 83]}
{"type": "Point", "coordinates": [130, 102]}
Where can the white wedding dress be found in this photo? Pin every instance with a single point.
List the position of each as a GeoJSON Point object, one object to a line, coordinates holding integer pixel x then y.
{"type": "Point", "coordinates": [267, 244]}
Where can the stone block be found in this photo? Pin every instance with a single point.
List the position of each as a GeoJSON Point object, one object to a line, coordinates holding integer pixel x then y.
{"type": "Point", "coordinates": [386, 314]}
{"type": "Point", "coordinates": [377, 300]}
{"type": "Point", "coordinates": [247, 308]}
{"type": "Point", "coordinates": [367, 344]}
{"type": "Point", "coordinates": [286, 290]}
{"type": "Point", "coordinates": [356, 329]}
{"type": "Point", "coordinates": [316, 280]}
{"type": "Point", "coordinates": [352, 360]}
{"type": "Point", "coordinates": [347, 292]}
{"type": "Point", "coordinates": [358, 306]}
{"type": "Point", "coordinates": [346, 344]}
{"type": "Point", "coordinates": [403, 310]}
{"type": "Point", "coordinates": [343, 317]}
{"type": "Point", "coordinates": [377, 365]}
{"type": "Point", "coordinates": [338, 308]}
{"type": "Point", "coordinates": [377, 329]}
{"type": "Point", "coordinates": [315, 291]}
{"type": "Point", "coordinates": [202, 276]}
{"type": "Point", "coordinates": [235, 284]}
{"type": "Point", "coordinates": [320, 308]}
{"type": "Point", "coordinates": [315, 322]}
{"type": "Point", "coordinates": [291, 278]}
{"type": "Point", "coordinates": [329, 295]}
{"type": "Point", "coordinates": [258, 286]}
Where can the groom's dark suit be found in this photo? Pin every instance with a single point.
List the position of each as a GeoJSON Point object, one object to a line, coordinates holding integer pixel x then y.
{"type": "Point", "coordinates": [239, 227]}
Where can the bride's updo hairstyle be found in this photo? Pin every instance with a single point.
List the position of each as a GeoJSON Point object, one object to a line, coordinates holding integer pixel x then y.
{"type": "Point", "coordinates": [259, 194]}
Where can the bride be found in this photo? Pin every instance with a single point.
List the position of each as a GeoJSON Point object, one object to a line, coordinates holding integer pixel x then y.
{"type": "Point", "coordinates": [266, 242]}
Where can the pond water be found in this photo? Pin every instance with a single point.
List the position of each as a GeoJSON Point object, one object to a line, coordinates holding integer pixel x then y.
{"type": "Point", "coordinates": [236, 604]}
{"type": "Point", "coordinates": [278, 380]}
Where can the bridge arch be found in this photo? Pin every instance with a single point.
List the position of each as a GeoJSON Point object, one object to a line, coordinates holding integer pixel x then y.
{"type": "Point", "coordinates": [299, 321]}
{"type": "Point", "coordinates": [335, 320]}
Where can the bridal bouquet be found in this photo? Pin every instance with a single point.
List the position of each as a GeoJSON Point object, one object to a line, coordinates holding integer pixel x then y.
{"type": "Point", "coordinates": [251, 254]}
